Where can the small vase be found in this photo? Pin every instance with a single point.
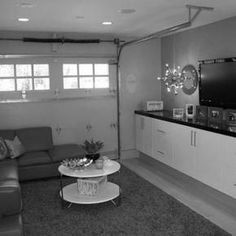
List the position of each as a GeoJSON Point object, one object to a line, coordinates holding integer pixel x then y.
{"type": "Point", "coordinates": [99, 163]}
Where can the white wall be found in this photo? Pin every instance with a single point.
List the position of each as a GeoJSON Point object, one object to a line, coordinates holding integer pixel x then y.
{"type": "Point", "coordinates": [139, 65]}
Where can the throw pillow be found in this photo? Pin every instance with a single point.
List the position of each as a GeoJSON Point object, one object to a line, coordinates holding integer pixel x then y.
{"type": "Point", "coordinates": [3, 149]}
{"type": "Point", "coordinates": [15, 147]}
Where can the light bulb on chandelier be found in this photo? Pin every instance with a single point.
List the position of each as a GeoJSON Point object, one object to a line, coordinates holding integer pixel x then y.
{"type": "Point", "coordinates": [173, 79]}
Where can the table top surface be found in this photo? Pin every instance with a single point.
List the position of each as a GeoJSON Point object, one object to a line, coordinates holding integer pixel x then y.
{"type": "Point", "coordinates": [109, 167]}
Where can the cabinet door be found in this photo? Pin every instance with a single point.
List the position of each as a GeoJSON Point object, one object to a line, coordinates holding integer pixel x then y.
{"type": "Point", "coordinates": [147, 136]}
{"type": "Point", "coordinates": [144, 134]}
{"type": "Point", "coordinates": [139, 122]}
{"type": "Point", "coordinates": [227, 157]}
{"type": "Point", "coordinates": [161, 143]}
{"type": "Point", "coordinates": [208, 161]}
{"type": "Point", "coordinates": [184, 150]}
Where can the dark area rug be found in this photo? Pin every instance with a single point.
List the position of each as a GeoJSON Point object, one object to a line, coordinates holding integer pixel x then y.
{"type": "Point", "coordinates": [145, 210]}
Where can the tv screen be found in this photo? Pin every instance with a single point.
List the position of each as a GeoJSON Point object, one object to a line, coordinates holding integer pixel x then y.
{"type": "Point", "coordinates": [217, 86]}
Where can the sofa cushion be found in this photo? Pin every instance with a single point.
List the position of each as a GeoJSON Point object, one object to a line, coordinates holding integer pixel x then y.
{"type": "Point", "coordinates": [35, 139]}
{"type": "Point", "coordinates": [7, 134]}
{"type": "Point", "coordinates": [33, 158]}
{"type": "Point", "coordinates": [61, 152]}
{"type": "Point", "coordinates": [15, 147]}
{"type": "Point", "coordinates": [3, 149]}
{"type": "Point", "coordinates": [8, 170]}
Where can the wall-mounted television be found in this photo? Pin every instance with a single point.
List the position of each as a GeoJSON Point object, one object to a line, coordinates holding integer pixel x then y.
{"type": "Point", "coordinates": [217, 84]}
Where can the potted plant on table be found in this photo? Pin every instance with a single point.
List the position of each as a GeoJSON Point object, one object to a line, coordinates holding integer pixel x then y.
{"type": "Point", "coordinates": [92, 148]}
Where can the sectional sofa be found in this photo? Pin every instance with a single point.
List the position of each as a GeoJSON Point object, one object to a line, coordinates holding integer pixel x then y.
{"type": "Point", "coordinates": [40, 159]}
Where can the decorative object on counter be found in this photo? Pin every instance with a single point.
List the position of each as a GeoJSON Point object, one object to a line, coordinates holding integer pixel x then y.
{"type": "Point", "coordinates": [173, 79]}
{"type": "Point", "coordinates": [190, 110]}
{"type": "Point", "coordinates": [230, 117]}
{"type": "Point", "coordinates": [92, 149]}
{"type": "Point", "coordinates": [154, 105]}
{"type": "Point", "coordinates": [190, 77]}
{"type": "Point", "coordinates": [90, 186]}
{"type": "Point", "coordinates": [178, 113]}
{"type": "Point", "coordinates": [77, 163]}
{"type": "Point", "coordinates": [201, 112]}
{"type": "Point", "coordinates": [215, 114]}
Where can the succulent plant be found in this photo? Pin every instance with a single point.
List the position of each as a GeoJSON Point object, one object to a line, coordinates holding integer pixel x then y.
{"type": "Point", "coordinates": [92, 146]}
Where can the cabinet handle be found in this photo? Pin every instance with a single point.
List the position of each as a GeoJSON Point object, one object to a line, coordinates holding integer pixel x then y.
{"type": "Point", "coordinates": [161, 131]}
{"type": "Point", "coordinates": [195, 138]}
{"type": "Point", "coordinates": [162, 153]}
{"type": "Point", "coordinates": [191, 142]}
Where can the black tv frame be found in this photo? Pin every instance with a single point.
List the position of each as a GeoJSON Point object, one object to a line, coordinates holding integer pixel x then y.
{"type": "Point", "coordinates": [213, 61]}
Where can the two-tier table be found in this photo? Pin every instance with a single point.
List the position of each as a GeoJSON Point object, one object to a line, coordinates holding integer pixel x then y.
{"type": "Point", "coordinates": [108, 192]}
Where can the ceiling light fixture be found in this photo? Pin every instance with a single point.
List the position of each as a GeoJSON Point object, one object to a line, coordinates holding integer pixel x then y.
{"type": "Point", "coordinates": [26, 5]}
{"type": "Point", "coordinates": [23, 19]}
{"type": "Point", "coordinates": [173, 79]}
{"type": "Point", "coordinates": [79, 17]}
{"type": "Point", "coordinates": [127, 11]}
{"type": "Point", "coordinates": [107, 23]}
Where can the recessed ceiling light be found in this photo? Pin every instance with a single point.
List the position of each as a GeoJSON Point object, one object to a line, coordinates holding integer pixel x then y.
{"type": "Point", "coordinates": [23, 19]}
{"type": "Point", "coordinates": [26, 5]}
{"type": "Point", "coordinates": [127, 11]}
{"type": "Point", "coordinates": [79, 17]}
{"type": "Point", "coordinates": [107, 23]}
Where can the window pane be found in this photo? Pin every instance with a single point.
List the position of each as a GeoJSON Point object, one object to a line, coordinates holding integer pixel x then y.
{"type": "Point", "coordinates": [23, 70]}
{"type": "Point", "coordinates": [70, 83]}
{"type": "Point", "coordinates": [6, 70]}
{"type": "Point", "coordinates": [70, 69]}
{"type": "Point", "coordinates": [101, 69]}
{"type": "Point", "coordinates": [41, 84]}
{"type": "Point", "coordinates": [86, 69]}
{"type": "Point", "coordinates": [101, 82]}
{"type": "Point", "coordinates": [7, 85]}
{"type": "Point", "coordinates": [24, 84]}
{"type": "Point", "coordinates": [41, 70]}
{"type": "Point", "coordinates": [86, 82]}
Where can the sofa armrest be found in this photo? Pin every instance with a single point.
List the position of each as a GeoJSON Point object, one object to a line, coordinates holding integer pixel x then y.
{"type": "Point", "coordinates": [10, 197]}
{"type": "Point", "coordinates": [11, 226]}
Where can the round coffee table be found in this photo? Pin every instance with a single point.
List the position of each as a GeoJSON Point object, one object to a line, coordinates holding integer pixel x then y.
{"type": "Point", "coordinates": [108, 191]}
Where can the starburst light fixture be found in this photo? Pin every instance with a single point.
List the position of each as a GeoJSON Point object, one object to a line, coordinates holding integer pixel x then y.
{"type": "Point", "coordinates": [173, 79]}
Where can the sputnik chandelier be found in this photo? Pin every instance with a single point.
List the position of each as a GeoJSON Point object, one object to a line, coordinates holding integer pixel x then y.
{"type": "Point", "coordinates": [173, 79]}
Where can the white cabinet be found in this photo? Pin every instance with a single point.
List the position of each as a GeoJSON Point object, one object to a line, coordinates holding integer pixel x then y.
{"type": "Point", "coordinates": [209, 157]}
{"type": "Point", "coordinates": [184, 149]}
{"type": "Point", "coordinates": [206, 156]}
{"type": "Point", "coordinates": [144, 134]}
{"type": "Point", "coordinates": [227, 155]}
{"type": "Point", "coordinates": [161, 141]}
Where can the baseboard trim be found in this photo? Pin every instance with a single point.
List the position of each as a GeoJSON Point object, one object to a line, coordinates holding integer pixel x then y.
{"type": "Point", "coordinates": [129, 153]}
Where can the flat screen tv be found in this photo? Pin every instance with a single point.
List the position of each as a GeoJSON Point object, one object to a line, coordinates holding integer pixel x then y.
{"type": "Point", "coordinates": [217, 85]}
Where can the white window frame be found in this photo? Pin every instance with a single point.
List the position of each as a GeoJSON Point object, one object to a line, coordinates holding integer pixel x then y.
{"type": "Point", "coordinates": [78, 76]}
{"type": "Point", "coordinates": [32, 77]}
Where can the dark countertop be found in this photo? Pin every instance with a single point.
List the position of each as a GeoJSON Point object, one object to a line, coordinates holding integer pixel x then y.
{"type": "Point", "coordinates": [212, 126]}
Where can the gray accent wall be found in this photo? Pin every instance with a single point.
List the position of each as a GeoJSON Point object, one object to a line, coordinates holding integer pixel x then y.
{"type": "Point", "coordinates": [217, 40]}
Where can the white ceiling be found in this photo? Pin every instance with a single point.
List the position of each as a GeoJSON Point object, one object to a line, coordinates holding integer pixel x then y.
{"type": "Point", "coordinates": [151, 15]}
